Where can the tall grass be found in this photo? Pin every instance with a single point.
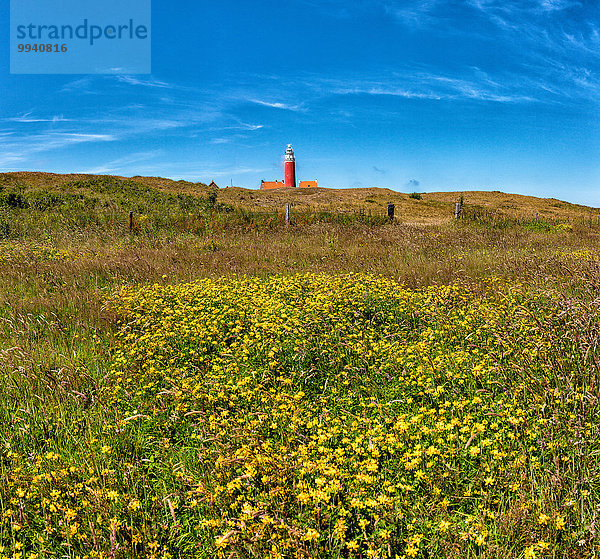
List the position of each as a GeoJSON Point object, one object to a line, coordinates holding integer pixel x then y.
{"type": "Point", "coordinates": [64, 255]}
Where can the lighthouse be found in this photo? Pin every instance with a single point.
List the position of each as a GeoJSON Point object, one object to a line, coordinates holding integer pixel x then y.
{"type": "Point", "coordinates": [290, 175]}
{"type": "Point", "coordinates": [290, 167]}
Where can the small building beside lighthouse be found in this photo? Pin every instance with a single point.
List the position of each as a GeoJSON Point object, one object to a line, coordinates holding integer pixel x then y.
{"type": "Point", "coordinates": [289, 174]}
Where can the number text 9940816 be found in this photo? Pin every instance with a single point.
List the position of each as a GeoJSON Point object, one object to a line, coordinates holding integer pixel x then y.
{"type": "Point", "coordinates": [44, 47]}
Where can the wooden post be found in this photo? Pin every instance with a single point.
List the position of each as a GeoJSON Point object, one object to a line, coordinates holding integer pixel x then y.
{"type": "Point", "coordinates": [457, 210]}
{"type": "Point", "coordinates": [130, 222]}
{"type": "Point", "coordinates": [390, 211]}
{"type": "Point", "coordinates": [287, 215]}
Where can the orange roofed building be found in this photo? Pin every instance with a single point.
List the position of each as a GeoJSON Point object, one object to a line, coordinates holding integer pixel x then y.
{"type": "Point", "coordinates": [267, 185]}
{"type": "Point", "coordinates": [290, 175]}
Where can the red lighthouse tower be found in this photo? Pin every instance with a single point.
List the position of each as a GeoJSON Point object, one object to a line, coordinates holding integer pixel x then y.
{"type": "Point", "coordinates": [290, 167]}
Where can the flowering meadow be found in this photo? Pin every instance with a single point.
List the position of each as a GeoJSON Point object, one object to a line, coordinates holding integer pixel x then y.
{"type": "Point", "coordinates": [318, 415]}
{"type": "Point", "coordinates": [21, 252]}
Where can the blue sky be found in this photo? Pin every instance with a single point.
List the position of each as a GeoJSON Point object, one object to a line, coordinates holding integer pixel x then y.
{"type": "Point", "coordinates": [415, 96]}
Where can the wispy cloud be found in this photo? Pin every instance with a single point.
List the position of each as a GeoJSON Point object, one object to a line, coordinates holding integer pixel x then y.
{"type": "Point", "coordinates": [412, 13]}
{"type": "Point", "coordinates": [28, 118]}
{"type": "Point", "coordinates": [528, 7]}
{"type": "Point", "coordinates": [557, 5]}
{"type": "Point", "coordinates": [91, 84]}
{"type": "Point", "coordinates": [429, 85]}
{"type": "Point", "coordinates": [277, 105]}
{"type": "Point", "coordinates": [382, 88]}
{"type": "Point", "coordinates": [233, 171]}
{"type": "Point", "coordinates": [541, 26]}
{"type": "Point", "coordinates": [548, 46]}
{"type": "Point", "coordinates": [19, 148]}
{"type": "Point", "coordinates": [80, 86]}
{"type": "Point", "coordinates": [243, 126]}
{"type": "Point", "coordinates": [205, 173]}
{"type": "Point", "coordinates": [121, 163]}
{"type": "Point", "coordinates": [133, 80]}
{"type": "Point", "coordinates": [144, 109]}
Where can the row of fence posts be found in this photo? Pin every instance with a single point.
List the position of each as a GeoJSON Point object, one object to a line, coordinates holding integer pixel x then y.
{"type": "Point", "coordinates": [536, 219]}
{"type": "Point", "coordinates": [390, 213]}
{"type": "Point", "coordinates": [391, 208]}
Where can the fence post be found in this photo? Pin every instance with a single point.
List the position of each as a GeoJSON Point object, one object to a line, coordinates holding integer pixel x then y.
{"type": "Point", "coordinates": [130, 222]}
{"type": "Point", "coordinates": [390, 211]}
{"type": "Point", "coordinates": [457, 210]}
{"type": "Point", "coordinates": [287, 215]}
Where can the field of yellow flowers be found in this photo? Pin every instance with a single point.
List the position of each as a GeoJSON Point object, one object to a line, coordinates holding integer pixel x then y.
{"type": "Point", "coordinates": [319, 415]}
{"type": "Point", "coordinates": [27, 252]}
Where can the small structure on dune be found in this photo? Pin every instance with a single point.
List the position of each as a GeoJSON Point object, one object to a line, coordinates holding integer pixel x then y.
{"type": "Point", "coordinates": [267, 185]}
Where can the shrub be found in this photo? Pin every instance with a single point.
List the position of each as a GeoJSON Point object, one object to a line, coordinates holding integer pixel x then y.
{"type": "Point", "coordinates": [5, 223]}
{"type": "Point", "coordinates": [14, 200]}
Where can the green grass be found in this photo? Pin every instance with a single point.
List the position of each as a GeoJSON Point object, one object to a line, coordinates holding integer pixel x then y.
{"type": "Point", "coordinates": [64, 256]}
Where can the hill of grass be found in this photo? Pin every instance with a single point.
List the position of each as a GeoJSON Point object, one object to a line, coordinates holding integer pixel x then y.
{"type": "Point", "coordinates": [432, 207]}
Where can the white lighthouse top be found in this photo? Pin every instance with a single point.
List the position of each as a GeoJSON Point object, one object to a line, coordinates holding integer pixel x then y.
{"type": "Point", "coordinates": [289, 153]}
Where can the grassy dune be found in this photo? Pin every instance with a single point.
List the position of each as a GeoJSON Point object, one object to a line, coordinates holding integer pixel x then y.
{"type": "Point", "coordinates": [433, 207]}
{"type": "Point", "coordinates": [216, 384]}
